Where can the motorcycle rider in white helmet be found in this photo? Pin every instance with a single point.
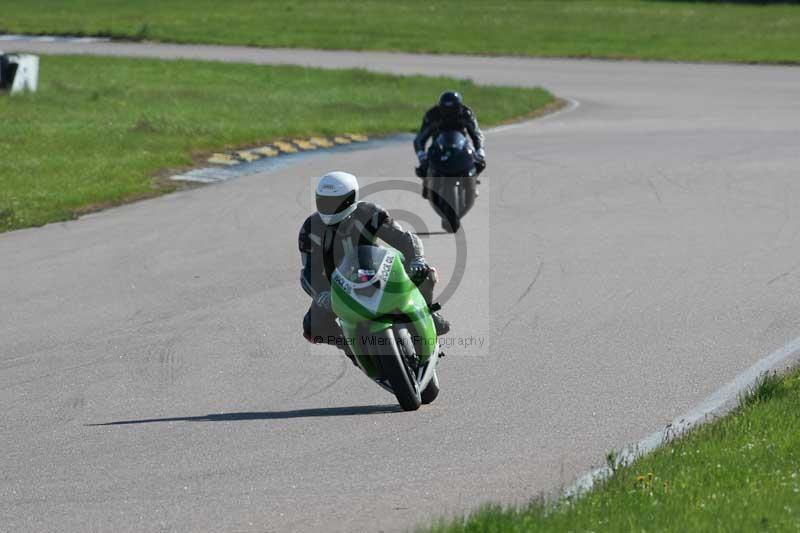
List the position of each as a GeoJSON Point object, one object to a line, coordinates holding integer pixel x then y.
{"type": "Point", "coordinates": [340, 224]}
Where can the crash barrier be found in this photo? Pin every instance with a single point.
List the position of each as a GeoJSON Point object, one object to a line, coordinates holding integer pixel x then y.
{"type": "Point", "coordinates": [19, 72]}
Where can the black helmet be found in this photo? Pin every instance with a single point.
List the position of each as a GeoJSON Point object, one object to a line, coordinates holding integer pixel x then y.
{"type": "Point", "coordinates": [450, 100]}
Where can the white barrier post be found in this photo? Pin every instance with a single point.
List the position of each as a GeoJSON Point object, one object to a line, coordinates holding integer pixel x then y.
{"type": "Point", "coordinates": [19, 72]}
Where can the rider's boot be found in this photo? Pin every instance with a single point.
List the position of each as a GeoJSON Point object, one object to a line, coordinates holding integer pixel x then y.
{"type": "Point", "coordinates": [442, 325]}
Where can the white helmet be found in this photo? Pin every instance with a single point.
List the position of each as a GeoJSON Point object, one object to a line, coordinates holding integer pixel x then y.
{"type": "Point", "coordinates": [337, 196]}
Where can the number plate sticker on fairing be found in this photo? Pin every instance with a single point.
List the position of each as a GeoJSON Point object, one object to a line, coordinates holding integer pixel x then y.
{"type": "Point", "coordinates": [369, 299]}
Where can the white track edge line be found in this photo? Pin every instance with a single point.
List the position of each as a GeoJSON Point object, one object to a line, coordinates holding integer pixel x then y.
{"type": "Point", "coordinates": [719, 402]}
{"type": "Point", "coordinates": [572, 105]}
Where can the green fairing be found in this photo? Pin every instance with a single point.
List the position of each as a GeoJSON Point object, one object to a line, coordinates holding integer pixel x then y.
{"type": "Point", "coordinates": [400, 297]}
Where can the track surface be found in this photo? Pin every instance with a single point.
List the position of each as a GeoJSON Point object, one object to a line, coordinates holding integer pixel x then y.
{"type": "Point", "coordinates": [629, 258]}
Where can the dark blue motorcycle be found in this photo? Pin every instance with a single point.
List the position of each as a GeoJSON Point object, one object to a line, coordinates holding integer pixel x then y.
{"type": "Point", "coordinates": [451, 178]}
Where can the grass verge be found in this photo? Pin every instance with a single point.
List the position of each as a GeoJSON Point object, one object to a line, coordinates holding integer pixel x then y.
{"type": "Point", "coordinates": [99, 129]}
{"type": "Point", "coordinates": [738, 30]}
{"type": "Point", "coordinates": [739, 473]}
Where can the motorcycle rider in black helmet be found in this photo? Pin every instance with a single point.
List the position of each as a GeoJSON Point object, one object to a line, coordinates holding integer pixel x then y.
{"type": "Point", "coordinates": [448, 115]}
{"type": "Point", "coordinates": [341, 224]}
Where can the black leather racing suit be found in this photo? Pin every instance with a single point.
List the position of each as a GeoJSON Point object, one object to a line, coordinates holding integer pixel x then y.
{"type": "Point", "coordinates": [436, 121]}
{"type": "Point", "coordinates": [323, 247]}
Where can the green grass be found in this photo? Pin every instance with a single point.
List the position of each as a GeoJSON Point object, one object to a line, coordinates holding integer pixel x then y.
{"type": "Point", "coordinates": [740, 473]}
{"type": "Point", "coordinates": [99, 129]}
{"type": "Point", "coordinates": [651, 29]}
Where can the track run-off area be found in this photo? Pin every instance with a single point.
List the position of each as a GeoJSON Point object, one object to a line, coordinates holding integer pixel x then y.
{"type": "Point", "coordinates": [628, 257]}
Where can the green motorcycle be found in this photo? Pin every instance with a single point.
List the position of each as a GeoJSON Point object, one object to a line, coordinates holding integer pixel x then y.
{"type": "Point", "coordinates": [387, 324]}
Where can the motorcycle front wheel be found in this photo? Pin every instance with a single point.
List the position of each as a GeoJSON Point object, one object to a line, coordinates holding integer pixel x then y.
{"type": "Point", "coordinates": [448, 202]}
{"type": "Point", "coordinates": [390, 357]}
{"type": "Point", "coordinates": [431, 391]}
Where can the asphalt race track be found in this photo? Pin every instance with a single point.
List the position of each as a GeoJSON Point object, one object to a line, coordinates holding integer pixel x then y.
{"type": "Point", "coordinates": [625, 259]}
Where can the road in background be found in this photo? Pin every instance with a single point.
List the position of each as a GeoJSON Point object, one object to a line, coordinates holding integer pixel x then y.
{"type": "Point", "coordinates": [636, 253]}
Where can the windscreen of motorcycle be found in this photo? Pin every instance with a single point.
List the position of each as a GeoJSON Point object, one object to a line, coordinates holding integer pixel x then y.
{"type": "Point", "coordinates": [363, 274]}
{"type": "Point", "coordinates": [451, 155]}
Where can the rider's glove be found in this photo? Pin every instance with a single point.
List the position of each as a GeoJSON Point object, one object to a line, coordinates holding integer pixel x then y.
{"type": "Point", "coordinates": [418, 268]}
{"type": "Point", "coordinates": [480, 160]}
{"type": "Point", "coordinates": [422, 170]}
{"type": "Point", "coordinates": [323, 300]}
